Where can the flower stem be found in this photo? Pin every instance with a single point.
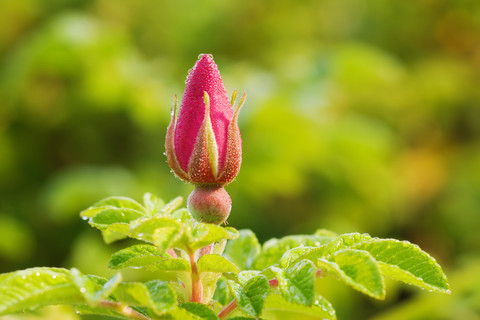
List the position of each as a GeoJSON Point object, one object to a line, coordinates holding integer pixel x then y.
{"type": "Point", "coordinates": [197, 290]}
{"type": "Point", "coordinates": [123, 309]}
{"type": "Point", "coordinates": [223, 314]}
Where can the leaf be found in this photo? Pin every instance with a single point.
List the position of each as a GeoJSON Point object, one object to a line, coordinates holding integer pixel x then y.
{"type": "Point", "coordinates": [325, 250]}
{"type": "Point", "coordinates": [321, 308]}
{"type": "Point", "coordinates": [274, 249]}
{"type": "Point", "coordinates": [173, 205]}
{"type": "Point", "coordinates": [200, 310]}
{"type": "Point", "coordinates": [251, 296]}
{"type": "Point", "coordinates": [146, 229]}
{"type": "Point", "coordinates": [156, 295]}
{"type": "Point", "coordinates": [404, 261]}
{"type": "Point", "coordinates": [204, 234]}
{"type": "Point", "coordinates": [147, 257]}
{"type": "Point", "coordinates": [297, 283]}
{"type": "Point", "coordinates": [358, 269]}
{"type": "Point", "coordinates": [243, 250]}
{"type": "Point", "coordinates": [87, 285]}
{"type": "Point", "coordinates": [222, 293]}
{"type": "Point", "coordinates": [87, 310]}
{"type": "Point", "coordinates": [114, 223]}
{"type": "Point", "coordinates": [111, 203]}
{"type": "Point", "coordinates": [37, 287]}
{"type": "Point", "coordinates": [215, 263]}
{"type": "Point", "coordinates": [152, 204]}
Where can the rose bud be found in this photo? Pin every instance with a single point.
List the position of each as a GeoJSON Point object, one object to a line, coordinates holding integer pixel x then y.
{"type": "Point", "coordinates": [203, 144]}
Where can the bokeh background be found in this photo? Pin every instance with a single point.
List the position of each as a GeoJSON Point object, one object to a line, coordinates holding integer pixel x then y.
{"type": "Point", "coordinates": [361, 116]}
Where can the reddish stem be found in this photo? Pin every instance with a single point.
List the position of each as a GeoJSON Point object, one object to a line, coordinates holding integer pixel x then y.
{"type": "Point", "coordinates": [197, 289]}
{"type": "Point", "coordinates": [228, 309]}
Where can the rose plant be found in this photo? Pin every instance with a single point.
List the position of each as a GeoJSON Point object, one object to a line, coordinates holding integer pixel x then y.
{"type": "Point", "coordinates": [203, 270]}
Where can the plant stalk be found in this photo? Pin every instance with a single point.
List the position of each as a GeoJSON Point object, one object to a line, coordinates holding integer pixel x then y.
{"type": "Point", "coordinates": [197, 289]}
{"type": "Point", "coordinates": [223, 314]}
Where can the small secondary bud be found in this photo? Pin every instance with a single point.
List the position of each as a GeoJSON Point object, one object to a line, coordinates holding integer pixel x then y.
{"type": "Point", "coordinates": [210, 204]}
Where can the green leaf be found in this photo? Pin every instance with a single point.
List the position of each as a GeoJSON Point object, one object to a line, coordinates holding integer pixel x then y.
{"type": "Point", "coordinates": [343, 241]}
{"type": "Point", "coordinates": [222, 293]}
{"type": "Point", "coordinates": [153, 204]}
{"type": "Point", "coordinates": [251, 296]}
{"type": "Point", "coordinates": [94, 310]}
{"type": "Point", "coordinates": [243, 250]}
{"type": "Point", "coordinates": [404, 261]}
{"type": "Point", "coordinates": [147, 257]}
{"type": "Point", "coordinates": [297, 283]}
{"type": "Point", "coordinates": [358, 269]}
{"type": "Point", "coordinates": [89, 286]}
{"type": "Point", "coordinates": [111, 203]}
{"type": "Point", "coordinates": [173, 205]}
{"type": "Point", "coordinates": [200, 310]}
{"type": "Point", "coordinates": [157, 295]}
{"type": "Point", "coordinates": [321, 308]}
{"type": "Point", "coordinates": [114, 222]}
{"type": "Point", "coordinates": [215, 263]}
{"type": "Point", "coordinates": [37, 287]}
{"type": "Point", "coordinates": [147, 229]}
{"type": "Point", "coordinates": [274, 249]}
{"type": "Point", "coordinates": [203, 234]}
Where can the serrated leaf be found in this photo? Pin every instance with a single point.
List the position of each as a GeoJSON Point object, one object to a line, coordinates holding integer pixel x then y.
{"type": "Point", "coordinates": [114, 223]}
{"type": "Point", "coordinates": [37, 287]}
{"type": "Point", "coordinates": [404, 261]}
{"type": "Point", "coordinates": [222, 293]}
{"type": "Point", "coordinates": [147, 257]}
{"type": "Point", "coordinates": [243, 250]}
{"type": "Point", "coordinates": [157, 295]}
{"type": "Point", "coordinates": [111, 203]}
{"type": "Point", "coordinates": [273, 249]}
{"type": "Point", "coordinates": [251, 296]}
{"type": "Point", "coordinates": [152, 203]}
{"type": "Point", "coordinates": [87, 285]}
{"type": "Point", "coordinates": [200, 310]}
{"type": "Point", "coordinates": [358, 269]}
{"type": "Point", "coordinates": [297, 283]}
{"type": "Point", "coordinates": [93, 310]}
{"type": "Point", "coordinates": [173, 205]}
{"type": "Point", "coordinates": [325, 250]}
{"type": "Point", "coordinates": [204, 234]}
{"type": "Point", "coordinates": [145, 229]}
{"type": "Point", "coordinates": [215, 263]}
{"type": "Point", "coordinates": [321, 308]}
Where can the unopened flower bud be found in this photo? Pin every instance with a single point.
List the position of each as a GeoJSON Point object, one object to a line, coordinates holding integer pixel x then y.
{"type": "Point", "coordinates": [209, 204]}
{"type": "Point", "coordinates": [203, 144]}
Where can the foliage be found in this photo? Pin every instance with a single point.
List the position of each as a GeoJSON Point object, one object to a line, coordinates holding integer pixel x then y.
{"type": "Point", "coordinates": [191, 257]}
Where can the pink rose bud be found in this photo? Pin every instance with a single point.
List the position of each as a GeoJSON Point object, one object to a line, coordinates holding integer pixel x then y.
{"type": "Point", "coordinates": [203, 144]}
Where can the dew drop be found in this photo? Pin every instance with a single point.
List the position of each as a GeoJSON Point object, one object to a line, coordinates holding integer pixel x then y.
{"type": "Point", "coordinates": [24, 277]}
{"type": "Point", "coordinates": [83, 290]}
{"type": "Point", "coordinates": [317, 244]}
{"type": "Point", "coordinates": [38, 274]}
{"type": "Point", "coordinates": [54, 277]}
{"type": "Point", "coordinates": [84, 218]}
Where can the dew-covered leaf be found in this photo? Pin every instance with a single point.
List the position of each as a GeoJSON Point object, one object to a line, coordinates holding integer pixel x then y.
{"type": "Point", "coordinates": [215, 263]}
{"type": "Point", "coordinates": [243, 250]}
{"type": "Point", "coordinates": [297, 283]}
{"type": "Point", "coordinates": [37, 287]}
{"type": "Point", "coordinates": [112, 203]}
{"type": "Point", "coordinates": [404, 261]}
{"type": "Point", "coordinates": [250, 296]}
{"type": "Point", "coordinates": [200, 310]}
{"type": "Point", "coordinates": [281, 308]}
{"type": "Point", "coordinates": [358, 269]}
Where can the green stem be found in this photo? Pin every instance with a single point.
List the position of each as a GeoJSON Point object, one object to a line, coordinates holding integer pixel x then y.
{"type": "Point", "coordinates": [123, 309]}
{"type": "Point", "coordinates": [197, 290]}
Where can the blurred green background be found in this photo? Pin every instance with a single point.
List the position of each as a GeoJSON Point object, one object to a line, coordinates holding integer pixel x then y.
{"type": "Point", "coordinates": [361, 116]}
